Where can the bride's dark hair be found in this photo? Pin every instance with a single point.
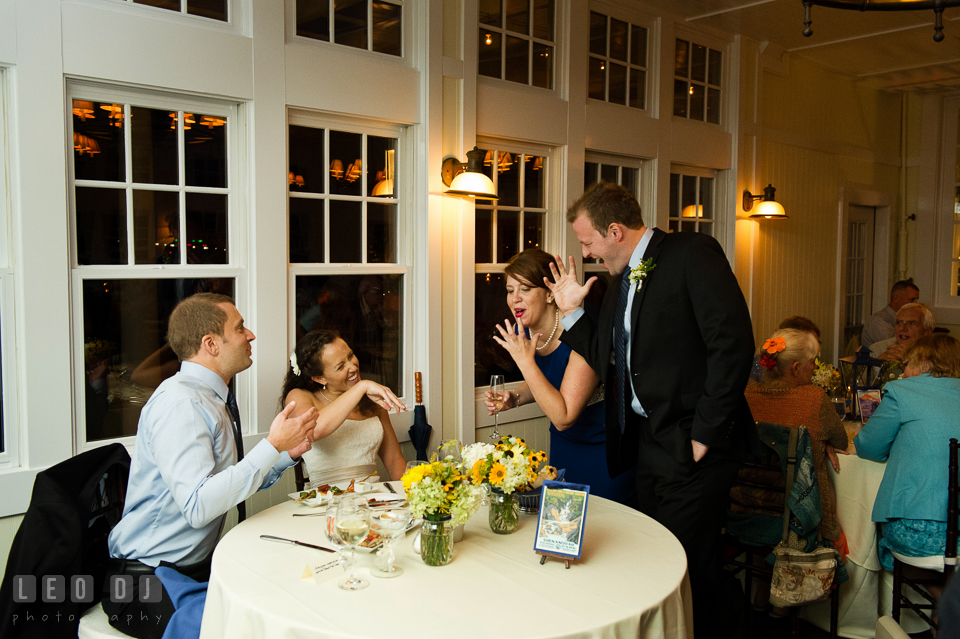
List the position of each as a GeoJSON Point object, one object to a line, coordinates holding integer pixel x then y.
{"type": "Point", "coordinates": [309, 350]}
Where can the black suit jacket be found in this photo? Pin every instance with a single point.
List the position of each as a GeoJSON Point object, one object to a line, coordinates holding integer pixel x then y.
{"type": "Point", "coordinates": [691, 352]}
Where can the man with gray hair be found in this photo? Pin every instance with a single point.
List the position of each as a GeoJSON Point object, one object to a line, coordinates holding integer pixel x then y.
{"type": "Point", "coordinates": [913, 322]}
{"type": "Point", "coordinates": [880, 326]}
{"type": "Point", "coordinates": [188, 468]}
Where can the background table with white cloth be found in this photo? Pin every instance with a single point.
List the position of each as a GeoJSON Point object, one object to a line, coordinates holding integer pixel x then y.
{"type": "Point", "coordinates": [868, 594]}
{"type": "Point", "coordinates": [630, 582]}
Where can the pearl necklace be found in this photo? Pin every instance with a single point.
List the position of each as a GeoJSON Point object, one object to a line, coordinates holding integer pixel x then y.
{"type": "Point", "coordinates": [556, 323]}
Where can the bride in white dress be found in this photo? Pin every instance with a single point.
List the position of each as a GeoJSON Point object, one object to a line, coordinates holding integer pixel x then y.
{"type": "Point", "coordinates": [353, 427]}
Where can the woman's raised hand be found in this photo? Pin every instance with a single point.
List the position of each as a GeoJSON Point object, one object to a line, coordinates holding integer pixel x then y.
{"type": "Point", "coordinates": [567, 291]}
{"type": "Point", "coordinates": [383, 396]}
{"type": "Point", "coordinates": [516, 342]}
{"type": "Point", "coordinates": [506, 401]}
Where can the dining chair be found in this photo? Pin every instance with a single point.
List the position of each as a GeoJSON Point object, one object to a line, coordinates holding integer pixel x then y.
{"type": "Point", "coordinates": [887, 628]}
{"type": "Point", "coordinates": [742, 543]}
{"type": "Point", "coordinates": [950, 559]}
{"type": "Point", "coordinates": [298, 475]}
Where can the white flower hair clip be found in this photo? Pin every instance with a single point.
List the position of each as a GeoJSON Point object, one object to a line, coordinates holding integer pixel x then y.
{"type": "Point", "coordinates": [293, 363]}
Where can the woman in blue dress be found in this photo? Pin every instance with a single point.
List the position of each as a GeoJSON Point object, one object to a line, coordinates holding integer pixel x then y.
{"type": "Point", "coordinates": [559, 380]}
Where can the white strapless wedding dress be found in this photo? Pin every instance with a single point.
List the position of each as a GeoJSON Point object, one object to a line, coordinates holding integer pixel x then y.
{"type": "Point", "coordinates": [350, 452]}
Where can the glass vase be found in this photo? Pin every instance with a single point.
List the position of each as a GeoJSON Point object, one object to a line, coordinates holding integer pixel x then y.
{"type": "Point", "coordinates": [504, 512]}
{"type": "Point", "coordinates": [436, 541]}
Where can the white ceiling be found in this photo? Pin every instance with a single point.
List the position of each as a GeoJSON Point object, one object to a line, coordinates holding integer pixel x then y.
{"type": "Point", "coordinates": [895, 49]}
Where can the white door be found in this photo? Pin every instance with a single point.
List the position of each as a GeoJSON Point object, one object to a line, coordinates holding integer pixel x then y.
{"type": "Point", "coordinates": [857, 279]}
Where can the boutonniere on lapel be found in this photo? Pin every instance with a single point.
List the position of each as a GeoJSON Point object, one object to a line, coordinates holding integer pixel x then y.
{"type": "Point", "coordinates": [641, 271]}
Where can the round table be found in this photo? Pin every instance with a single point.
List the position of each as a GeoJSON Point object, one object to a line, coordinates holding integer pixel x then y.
{"type": "Point", "coordinates": [629, 582]}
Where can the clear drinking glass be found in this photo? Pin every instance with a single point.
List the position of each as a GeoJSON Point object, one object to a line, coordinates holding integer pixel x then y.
{"type": "Point", "coordinates": [496, 395]}
{"type": "Point", "coordinates": [352, 525]}
{"type": "Point", "coordinates": [414, 464]}
{"type": "Point", "coordinates": [391, 523]}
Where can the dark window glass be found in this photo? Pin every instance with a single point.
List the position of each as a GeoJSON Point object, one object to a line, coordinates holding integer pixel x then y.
{"type": "Point", "coordinates": [542, 66]}
{"type": "Point", "coordinates": [307, 164]}
{"type": "Point", "coordinates": [490, 12]}
{"type": "Point", "coordinates": [381, 166]}
{"type": "Point", "coordinates": [533, 181]}
{"type": "Point", "coordinates": [345, 149]}
{"type": "Point", "coordinates": [517, 66]}
{"type": "Point", "coordinates": [313, 19]}
{"type": "Point", "coordinates": [366, 311]}
{"type": "Point", "coordinates": [629, 179]}
{"type": "Point", "coordinates": [674, 195]}
{"type": "Point", "coordinates": [706, 198]}
{"type": "Point", "coordinates": [638, 88]}
{"type": "Point", "coordinates": [618, 39]}
{"type": "Point", "coordinates": [674, 226]}
{"type": "Point", "coordinates": [489, 165]}
{"type": "Point", "coordinates": [214, 9]}
{"type": "Point", "coordinates": [698, 63]}
{"type": "Point", "coordinates": [154, 146]}
{"type": "Point", "coordinates": [590, 174]}
{"type": "Point", "coordinates": [125, 350]}
{"type": "Point", "coordinates": [680, 98]}
{"type": "Point", "coordinates": [688, 197]}
{"type": "Point", "coordinates": [508, 180]}
{"type": "Point", "coordinates": [598, 78]}
{"type": "Point", "coordinates": [484, 239]}
{"type": "Point", "coordinates": [101, 226]}
{"type": "Point", "coordinates": [489, 54]}
{"type": "Point", "coordinates": [350, 23]}
{"type": "Point", "coordinates": [491, 304]}
{"type": "Point", "coordinates": [381, 233]}
{"type": "Point", "coordinates": [543, 19]}
{"type": "Point", "coordinates": [306, 230]}
{"type": "Point", "coordinates": [98, 151]}
{"type": "Point", "coordinates": [205, 151]}
{"type": "Point", "coordinates": [598, 33]}
{"type": "Point", "coordinates": [518, 16]}
{"type": "Point", "coordinates": [716, 67]}
{"type": "Point", "coordinates": [638, 45]}
{"type": "Point", "coordinates": [387, 27]}
{"type": "Point", "coordinates": [618, 84]}
{"type": "Point", "coordinates": [706, 228]}
{"type": "Point", "coordinates": [508, 235]}
{"type": "Point", "coordinates": [681, 62]}
{"type": "Point", "coordinates": [345, 232]}
{"type": "Point", "coordinates": [608, 173]}
{"type": "Point", "coordinates": [713, 106]}
{"type": "Point", "coordinates": [696, 101]}
{"type": "Point", "coordinates": [156, 227]}
{"type": "Point", "coordinates": [532, 230]}
{"type": "Point", "coordinates": [206, 228]}
{"type": "Point", "coordinates": [688, 227]}
{"type": "Point", "coordinates": [173, 5]}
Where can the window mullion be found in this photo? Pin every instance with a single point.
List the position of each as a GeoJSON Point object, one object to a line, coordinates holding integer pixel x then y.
{"type": "Point", "coordinates": [326, 204]}
{"type": "Point", "coordinates": [128, 173]}
{"type": "Point", "coordinates": [183, 240]}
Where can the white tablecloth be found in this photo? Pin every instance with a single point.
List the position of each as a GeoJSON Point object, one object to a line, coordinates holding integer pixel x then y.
{"type": "Point", "coordinates": [630, 582]}
{"type": "Point", "coordinates": [869, 593]}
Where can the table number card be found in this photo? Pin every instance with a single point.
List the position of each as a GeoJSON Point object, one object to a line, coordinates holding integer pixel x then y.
{"type": "Point", "coordinates": [321, 570]}
{"type": "Point", "coordinates": [563, 513]}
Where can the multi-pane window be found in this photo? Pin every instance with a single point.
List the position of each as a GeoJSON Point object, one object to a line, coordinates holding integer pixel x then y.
{"type": "Point", "coordinates": [517, 41]}
{"type": "Point", "coordinates": [213, 9]}
{"type": "Point", "coordinates": [617, 61]}
{"type": "Point", "coordinates": [692, 202]}
{"type": "Point", "coordinates": [504, 228]}
{"type": "Point", "coordinates": [345, 260]}
{"type": "Point", "coordinates": [152, 191]}
{"type": "Point", "coordinates": [697, 81]}
{"type": "Point", "coordinates": [362, 24]}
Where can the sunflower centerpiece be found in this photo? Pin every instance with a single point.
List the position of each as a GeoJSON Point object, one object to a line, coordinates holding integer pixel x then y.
{"type": "Point", "coordinates": [503, 469]}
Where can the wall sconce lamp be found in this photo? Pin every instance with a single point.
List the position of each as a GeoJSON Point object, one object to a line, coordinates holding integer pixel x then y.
{"type": "Point", "coordinates": [768, 208]}
{"type": "Point", "coordinates": [467, 178]}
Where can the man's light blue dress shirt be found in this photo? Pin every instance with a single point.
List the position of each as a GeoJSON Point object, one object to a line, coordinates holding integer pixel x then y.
{"type": "Point", "coordinates": [568, 321]}
{"type": "Point", "coordinates": [184, 475]}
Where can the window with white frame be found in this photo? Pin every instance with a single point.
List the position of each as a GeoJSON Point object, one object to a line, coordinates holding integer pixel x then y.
{"type": "Point", "coordinates": [153, 184]}
{"type": "Point", "coordinates": [213, 9]}
{"type": "Point", "coordinates": [692, 200]}
{"type": "Point", "coordinates": [8, 378]}
{"type": "Point", "coordinates": [362, 24]}
{"type": "Point", "coordinates": [517, 41]}
{"type": "Point", "coordinates": [617, 61]}
{"type": "Point", "coordinates": [697, 81]}
{"type": "Point", "coordinates": [504, 227]}
{"type": "Point", "coordinates": [347, 265]}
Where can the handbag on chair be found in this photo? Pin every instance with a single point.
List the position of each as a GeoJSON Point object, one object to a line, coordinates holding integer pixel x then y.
{"type": "Point", "coordinates": [799, 577]}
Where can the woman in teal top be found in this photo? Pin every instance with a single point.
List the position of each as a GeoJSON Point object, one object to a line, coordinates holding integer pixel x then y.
{"type": "Point", "coordinates": [911, 430]}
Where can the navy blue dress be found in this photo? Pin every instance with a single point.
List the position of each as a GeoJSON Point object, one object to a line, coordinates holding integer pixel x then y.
{"type": "Point", "coordinates": [581, 449]}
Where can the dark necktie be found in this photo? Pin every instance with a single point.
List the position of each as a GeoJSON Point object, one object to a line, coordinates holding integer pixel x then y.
{"type": "Point", "coordinates": [234, 411]}
{"type": "Point", "coordinates": [620, 351]}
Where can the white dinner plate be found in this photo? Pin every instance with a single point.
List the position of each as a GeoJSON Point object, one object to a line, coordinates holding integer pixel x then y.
{"type": "Point", "coordinates": [319, 500]}
{"type": "Point", "coordinates": [413, 524]}
{"type": "Point", "coordinates": [385, 498]}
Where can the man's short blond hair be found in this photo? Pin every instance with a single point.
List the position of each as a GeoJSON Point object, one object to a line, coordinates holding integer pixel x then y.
{"type": "Point", "coordinates": [194, 318]}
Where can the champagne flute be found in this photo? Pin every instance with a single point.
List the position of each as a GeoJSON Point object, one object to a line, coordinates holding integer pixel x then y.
{"type": "Point", "coordinates": [391, 523]}
{"type": "Point", "coordinates": [352, 526]}
{"type": "Point", "coordinates": [496, 395]}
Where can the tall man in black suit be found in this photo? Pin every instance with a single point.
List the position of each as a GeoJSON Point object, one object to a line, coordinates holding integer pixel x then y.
{"type": "Point", "coordinates": [686, 347]}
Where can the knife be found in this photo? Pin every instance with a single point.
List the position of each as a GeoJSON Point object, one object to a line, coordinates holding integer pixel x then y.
{"type": "Point", "coordinates": [296, 543]}
{"type": "Point", "coordinates": [389, 487]}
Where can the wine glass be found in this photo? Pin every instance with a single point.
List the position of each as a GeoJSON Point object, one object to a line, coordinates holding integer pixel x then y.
{"type": "Point", "coordinates": [352, 526]}
{"type": "Point", "coordinates": [330, 528]}
{"type": "Point", "coordinates": [496, 395]}
{"type": "Point", "coordinates": [391, 523]}
{"type": "Point", "coordinates": [414, 464]}
{"type": "Point", "coordinates": [452, 448]}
